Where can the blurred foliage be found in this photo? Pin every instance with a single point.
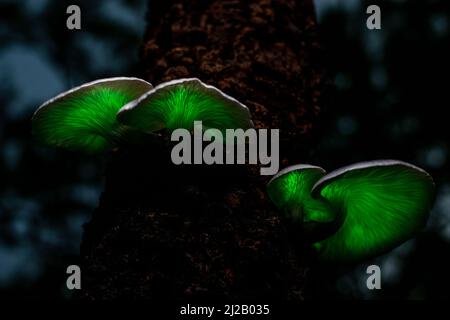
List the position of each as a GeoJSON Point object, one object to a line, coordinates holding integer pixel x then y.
{"type": "Point", "coordinates": [46, 195]}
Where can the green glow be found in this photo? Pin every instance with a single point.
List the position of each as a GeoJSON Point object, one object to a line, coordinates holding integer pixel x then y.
{"type": "Point", "coordinates": [177, 104]}
{"type": "Point", "coordinates": [84, 118]}
{"type": "Point", "coordinates": [381, 207]}
{"type": "Point", "coordinates": [290, 190]}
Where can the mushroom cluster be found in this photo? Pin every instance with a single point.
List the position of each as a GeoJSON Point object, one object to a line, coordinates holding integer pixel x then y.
{"type": "Point", "coordinates": [103, 114]}
{"type": "Point", "coordinates": [349, 214]}
{"type": "Point", "coordinates": [358, 211]}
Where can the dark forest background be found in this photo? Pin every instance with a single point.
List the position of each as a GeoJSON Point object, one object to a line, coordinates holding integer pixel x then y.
{"type": "Point", "coordinates": [389, 100]}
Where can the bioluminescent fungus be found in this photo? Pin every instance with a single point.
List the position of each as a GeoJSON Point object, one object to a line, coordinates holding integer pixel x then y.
{"type": "Point", "coordinates": [382, 204]}
{"type": "Point", "coordinates": [84, 118]}
{"type": "Point", "coordinates": [368, 207]}
{"type": "Point", "coordinates": [178, 103]}
{"type": "Point", "coordinates": [290, 190]}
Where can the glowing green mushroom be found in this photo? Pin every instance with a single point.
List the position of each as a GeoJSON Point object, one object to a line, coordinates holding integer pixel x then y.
{"type": "Point", "coordinates": [178, 103]}
{"type": "Point", "coordinates": [290, 190]}
{"type": "Point", "coordinates": [84, 118]}
{"type": "Point", "coordinates": [382, 204]}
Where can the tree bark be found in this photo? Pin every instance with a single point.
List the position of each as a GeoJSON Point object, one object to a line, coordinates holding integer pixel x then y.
{"type": "Point", "coordinates": [210, 232]}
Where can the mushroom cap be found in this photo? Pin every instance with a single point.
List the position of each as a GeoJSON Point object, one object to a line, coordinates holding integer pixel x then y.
{"type": "Point", "coordinates": [382, 203]}
{"type": "Point", "coordinates": [178, 103]}
{"type": "Point", "coordinates": [84, 118]}
{"type": "Point", "coordinates": [290, 189]}
{"type": "Point", "coordinates": [293, 184]}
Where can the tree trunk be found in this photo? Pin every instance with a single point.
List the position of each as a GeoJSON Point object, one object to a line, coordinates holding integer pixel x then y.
{"type": "Point", "coordinates": [210, 232]}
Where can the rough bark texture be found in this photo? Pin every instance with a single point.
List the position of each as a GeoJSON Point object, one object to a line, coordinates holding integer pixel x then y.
{"type": "Point", "coordinates": [210, 232]}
